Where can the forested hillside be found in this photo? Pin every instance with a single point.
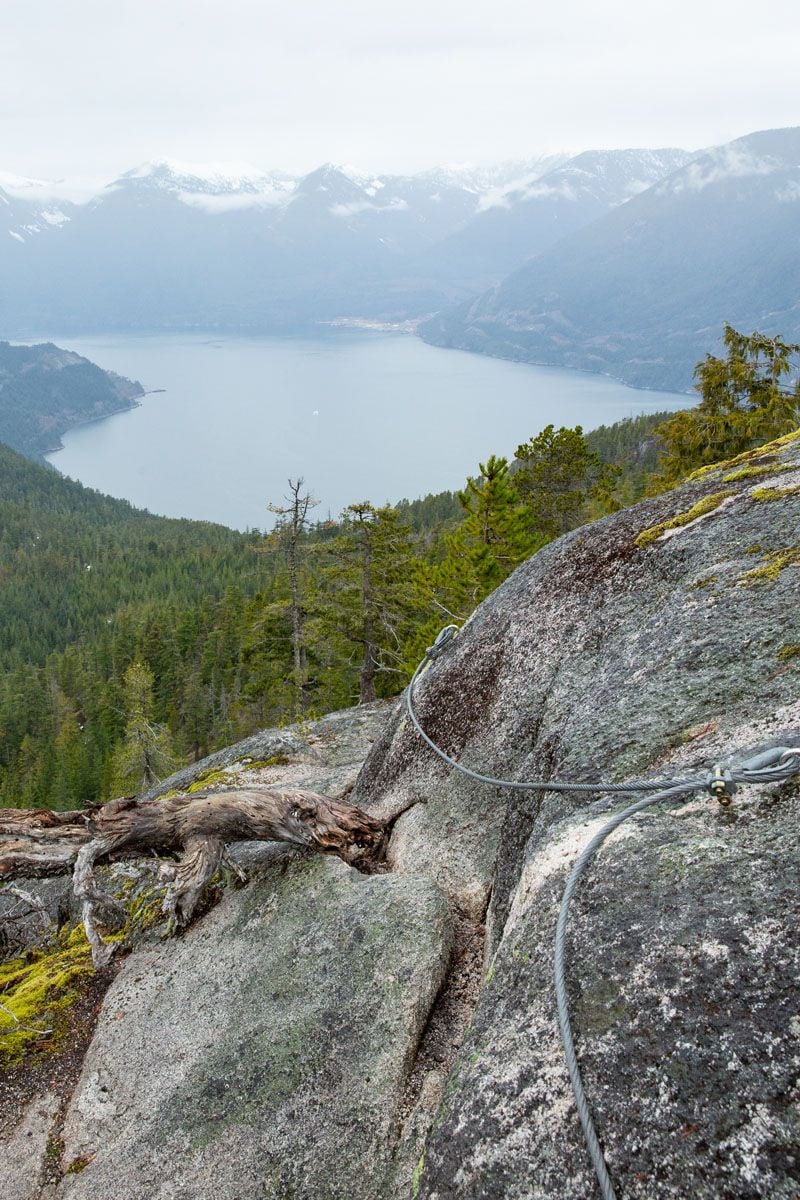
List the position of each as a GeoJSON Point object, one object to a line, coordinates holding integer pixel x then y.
{"type": "Point", "coordinates": [116, 625]}
{"type": "Point", "coordinates": [131, 643]}
{"type": "Point", "coordinates": [45, 390]}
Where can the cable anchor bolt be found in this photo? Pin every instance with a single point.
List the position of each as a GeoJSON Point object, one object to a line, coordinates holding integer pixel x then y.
{"type": "Point", "coordinates": [721, 785]}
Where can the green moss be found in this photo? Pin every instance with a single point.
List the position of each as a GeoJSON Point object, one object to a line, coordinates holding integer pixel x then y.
{"type": "Point", "coordinates": [748, 455]}
{"type": "Point", "coordinates": [788, 652]}
{"type": "Point", "coordinates": [53, 1152]}
{"type": "Point", "coordinates": [277, 760]}
{"type": "Point", "coordinates": [38, 989]}
{"type": "Point", "coordinates": [208, 779]}
{"type": "Point", "coordinates": [416, 1178]}
{"type": "Point", "coordinates": [146, 910]}
{"type": "Point", "coordinates": [754, 549]}
{"type": "Point", "coordinates": [756, 472]}
{"type": "Point", "coordinates": [704, 506]}
{"type": "Point", "coordinates": [78, 1164]}
{"type": "Point", "coordinates": [774, 493]}
{"type": "Point", "coordinates": [776, 561]}
{"type": "Point", "coordinates": [709, 581]}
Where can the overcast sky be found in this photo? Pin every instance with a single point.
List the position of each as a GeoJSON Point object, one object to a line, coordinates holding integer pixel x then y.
{"type": "Point", "coordinates": [93, 87]}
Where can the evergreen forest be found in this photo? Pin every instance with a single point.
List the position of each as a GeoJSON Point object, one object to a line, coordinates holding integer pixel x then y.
{"type": "Point", "coordinates": [131, 644]}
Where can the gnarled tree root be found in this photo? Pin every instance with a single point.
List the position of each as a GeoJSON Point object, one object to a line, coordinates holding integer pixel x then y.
{"type": "Point", "coordinates": [196, 828]}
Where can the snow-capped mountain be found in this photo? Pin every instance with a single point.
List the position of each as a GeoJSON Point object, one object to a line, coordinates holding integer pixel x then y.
{"type": "Point", "coordinates": [641, 292]}
{"type": "Point", "coordinates": [22, 219]}
{"type": "Point", "coordinates": [611, 236]}
{"type": "Point", "coordinates": [527, 215]}
{"type": "Point", "coordinates": [210, 187]}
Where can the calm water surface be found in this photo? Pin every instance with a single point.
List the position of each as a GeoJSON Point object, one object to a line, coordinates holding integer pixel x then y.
{"type": "Point", "coordinates": [359, 415]}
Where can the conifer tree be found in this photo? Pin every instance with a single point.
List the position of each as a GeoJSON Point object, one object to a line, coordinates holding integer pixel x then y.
{"type": "Point", "coordinates": [745, 401]}
{"type": "Point", "coordinates": [367, 597]}
{"type": "Point", "coordinates": [492, 540]}
{"type": "Point", "coordinates": [146, 754]}
{"type": "Point", "coordinates": [557, 477]}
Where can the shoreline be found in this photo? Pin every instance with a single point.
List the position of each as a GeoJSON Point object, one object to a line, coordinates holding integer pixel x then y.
{"type": "Point", "coordinates": [114, 412]}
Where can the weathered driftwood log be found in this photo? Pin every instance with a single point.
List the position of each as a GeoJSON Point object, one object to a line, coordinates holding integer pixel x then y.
{"type": "Point", "coordinates": [35, 841]}
{"type": "Point", "coordinates": [197, 828]}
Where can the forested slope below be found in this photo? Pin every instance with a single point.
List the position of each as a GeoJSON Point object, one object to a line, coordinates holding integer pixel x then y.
{"type": "Point", "coordinates": [107, 612]}
{"type": "Point", "coordinates": [84, 581]}
{"type": "Point", "coordinates": [132, 644]}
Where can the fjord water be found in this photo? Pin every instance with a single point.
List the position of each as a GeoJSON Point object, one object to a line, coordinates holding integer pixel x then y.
{"type": "Point", "coordinates": [359, 414]}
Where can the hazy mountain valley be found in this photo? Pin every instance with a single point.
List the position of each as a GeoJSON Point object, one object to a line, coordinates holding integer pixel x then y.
{"type": "Point", "coordinates": [589, 259]}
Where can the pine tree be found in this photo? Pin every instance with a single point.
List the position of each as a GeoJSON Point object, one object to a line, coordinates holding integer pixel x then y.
{"type": "Point", "coordinates": [146, 754]}
{"type": "Point", "coordinates": [745, 402]}
{"type": "Point", "coordinates": [367, 598]}
{"type": "Point", "coordinates": [558, 475]}
{"type": "Point", "coordinates": [492, 540]}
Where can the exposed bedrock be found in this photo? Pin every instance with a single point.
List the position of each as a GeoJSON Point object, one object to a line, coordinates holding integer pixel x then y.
{"type": "Point", "coordinates": [602, 658]}
{"type": "Point", "coordinates": [297, 1042]}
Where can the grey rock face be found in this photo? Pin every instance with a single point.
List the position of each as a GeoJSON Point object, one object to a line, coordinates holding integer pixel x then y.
{"type": "Point", "coordinates": [29, 912]}
{"type": "Point", "coordinates": [266, 1053]}
{"type": "Point", "coordinates": [683, 964]}
{"type": "Point", "coordinates": [290, 1044]}
{"type": "Point", "coordinates": [323, 755]}
{"type": "Point", "coordinates": [603, 659]}
{"type": "Point", "coordinates": [26, 1148]}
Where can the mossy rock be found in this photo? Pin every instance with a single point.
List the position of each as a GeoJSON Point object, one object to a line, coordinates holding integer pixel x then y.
{"type": "Point", "coordinates": [38, 989]}
{"type": "Point", "coordinates": [261, 764]}
{"type": "Point", "coordinates": [775, 562]}
{"type": "Point", "coordinates": [756, 472]}
{"type": "Point", "coordinates": [774, 493]}
{"type": "Point", "coordinates": [701, 509]}
{"type": "Point", "coordinates": [209, 779]}
{"type": "Point", "coordinates": [748, 456]}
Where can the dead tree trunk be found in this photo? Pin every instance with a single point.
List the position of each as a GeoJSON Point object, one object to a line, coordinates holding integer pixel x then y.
{"type": "Point", "coordinates": [196, 828]}
{"type": "Point", "coordinates": [290, 527]}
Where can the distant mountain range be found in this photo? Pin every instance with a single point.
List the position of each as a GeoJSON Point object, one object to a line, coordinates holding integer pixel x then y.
{"type": "Point", "coordinates": [642, 292]}
{"type": "Point", "coordinates": [624, 261]}
{"type": "Point", "coordinates": [172, 246]}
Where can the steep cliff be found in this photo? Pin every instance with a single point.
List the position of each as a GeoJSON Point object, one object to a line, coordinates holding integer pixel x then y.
{"type": "Point", "coordinates": [307, 1038]}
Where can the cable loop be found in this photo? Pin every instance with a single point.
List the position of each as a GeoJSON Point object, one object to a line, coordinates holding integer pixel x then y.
{"type": "Point", "coordinates": [775, 765]}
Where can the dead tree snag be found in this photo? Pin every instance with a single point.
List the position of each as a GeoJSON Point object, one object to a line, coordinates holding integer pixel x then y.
{"type": "Point", "coordinates": [191, 832]}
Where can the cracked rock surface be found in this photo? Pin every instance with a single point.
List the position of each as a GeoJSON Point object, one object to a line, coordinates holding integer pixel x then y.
{"type": "Point", "coordinates": [266, 1053]}
{"type": "Point", "coordinates": [601, 658]}
{"type": "Point", "coordinates": [304, 1040]}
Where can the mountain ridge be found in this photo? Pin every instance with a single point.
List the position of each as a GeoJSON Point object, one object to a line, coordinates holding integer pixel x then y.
{"type": "Point", "coordinates": [640, 293]}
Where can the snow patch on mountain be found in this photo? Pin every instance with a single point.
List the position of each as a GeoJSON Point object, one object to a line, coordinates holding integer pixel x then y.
{"type": "Point", "coordinates": [75, 190]}
{"type": "Point", "coordinates": [225, 202]}
{"type": "Point", "coordinates": [719, 166]}
{"type": "Point", "coordinates": [360, 206]}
